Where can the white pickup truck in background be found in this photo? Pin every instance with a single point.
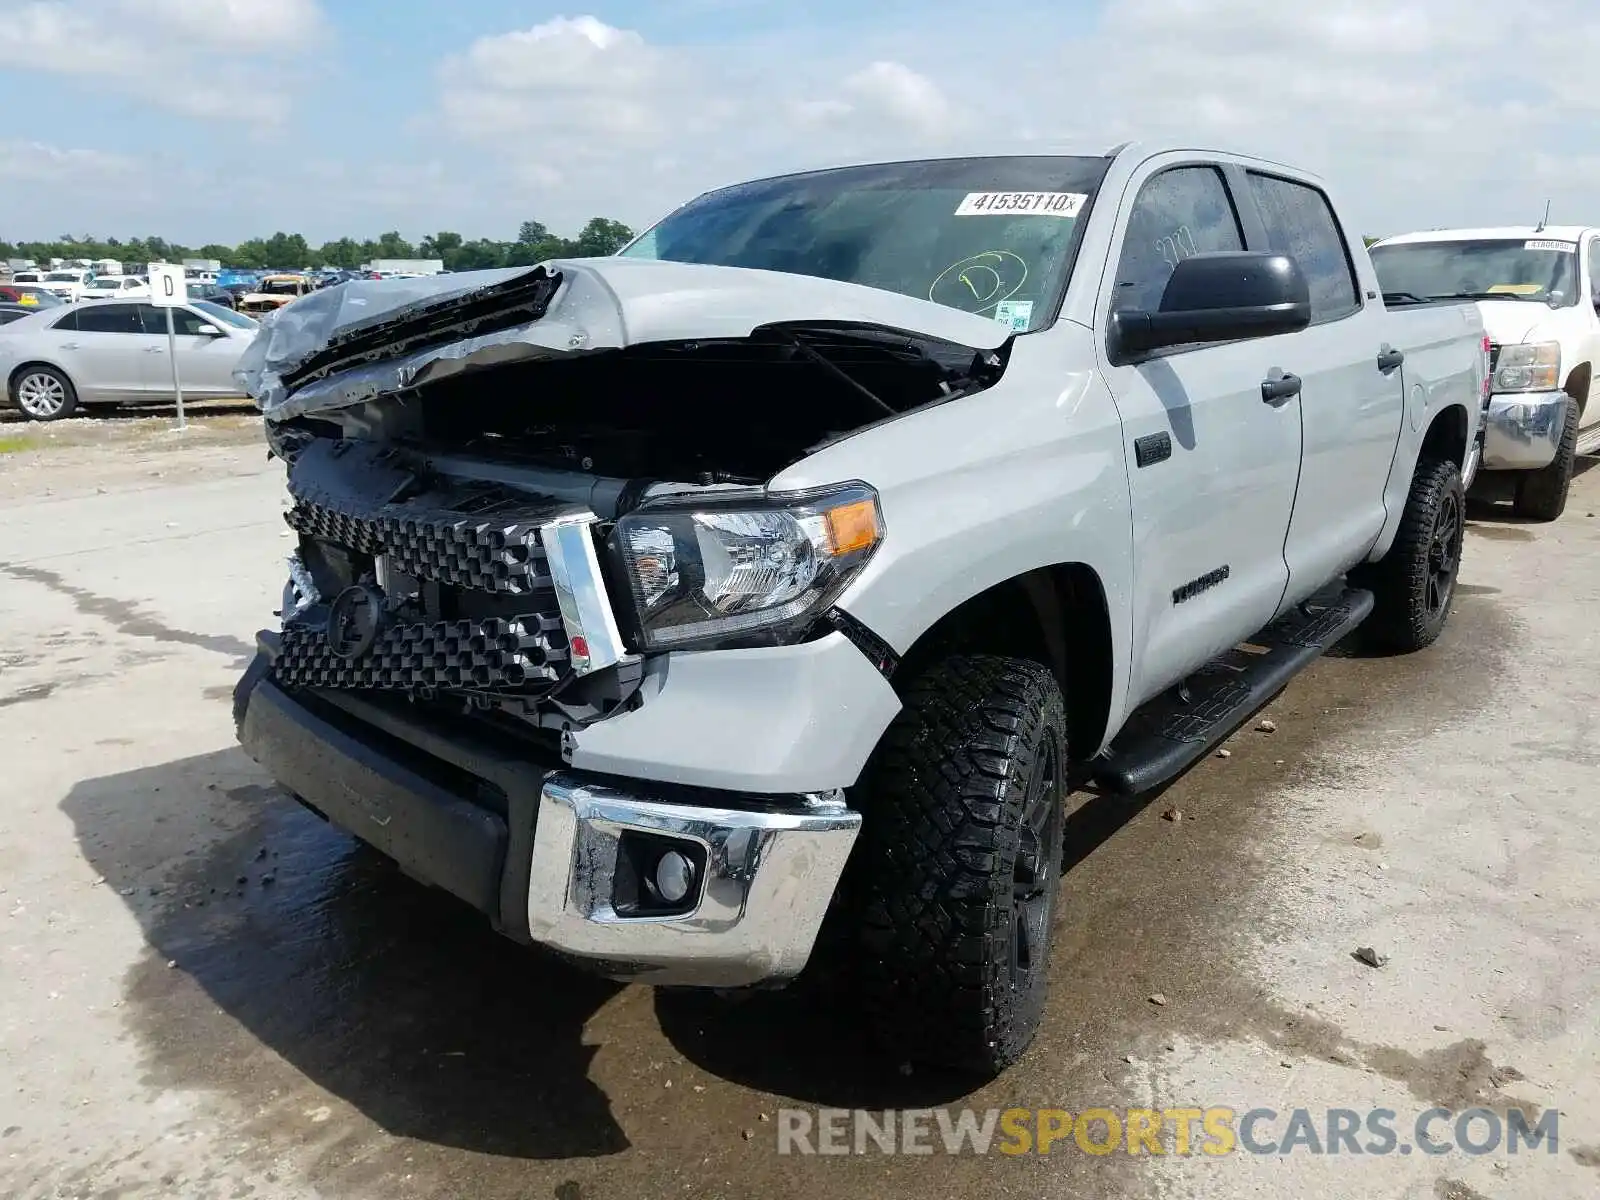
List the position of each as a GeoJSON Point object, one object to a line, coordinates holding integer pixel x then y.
{"type": "Point", "coordinates": [1538, 290]}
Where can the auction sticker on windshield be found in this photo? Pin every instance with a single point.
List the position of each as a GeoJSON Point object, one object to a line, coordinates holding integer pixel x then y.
{"type": "Point", "coordinates": [1548, 244]}
{"type": "Point", "coordinates": [1042, 204]}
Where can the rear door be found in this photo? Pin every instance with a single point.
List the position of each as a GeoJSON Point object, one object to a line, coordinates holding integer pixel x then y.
{"type": "Point", "coordinates": [1211, 466]}
{"type": "Point", "coordinates": [1352, 394]}
{"type": "Point", "coordinates": [104, 348]}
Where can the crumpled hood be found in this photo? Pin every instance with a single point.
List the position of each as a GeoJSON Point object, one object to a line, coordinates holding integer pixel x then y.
{"type": "Point", "coordinates": [602, 304]}
{"type": "Point", "coordinates": [1511, 322]}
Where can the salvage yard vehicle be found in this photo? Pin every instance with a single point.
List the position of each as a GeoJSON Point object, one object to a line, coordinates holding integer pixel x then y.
{"type": "Point", "coordinates": [764, 589]}
{"type": "Point", "coordinates": [111, 352]}
{"type": "Point", "coordinates": [1538, 290]}
{"type": "Point", "coordinates": [272, 292]}
{"type": "Point", "coordinates": [115, 287]}
{"type": "Point", "coordinates": [68, 284]}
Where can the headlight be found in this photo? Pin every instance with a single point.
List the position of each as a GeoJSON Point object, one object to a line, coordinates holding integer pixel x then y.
{"type": "Point", "coordinates": [753, 570]}
{"type": "Point", "coordinates": [1531, 367]}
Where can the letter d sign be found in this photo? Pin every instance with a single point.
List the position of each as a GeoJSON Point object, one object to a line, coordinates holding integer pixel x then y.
{"type": "Point", "coordinates": [167, 287]}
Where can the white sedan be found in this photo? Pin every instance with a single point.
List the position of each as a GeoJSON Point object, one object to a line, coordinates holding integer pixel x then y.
{"type": "Point", "coordinates": [115, 287]}
{"type": "Point", "coordinates": [110, 352]}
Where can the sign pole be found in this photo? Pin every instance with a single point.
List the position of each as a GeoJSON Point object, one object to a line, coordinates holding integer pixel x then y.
{"type": "Point", "coordinates": [177, 385]}
{"type": "Point", "coordinates": [168, 290]}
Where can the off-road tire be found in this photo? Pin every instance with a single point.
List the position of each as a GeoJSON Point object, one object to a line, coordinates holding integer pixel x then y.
{"type": "Point", "coordinates": [944, 855]}
{"type": "Point", "coordinates": [1407, 615]}
{"type": "Point", "coordinates": [1542, 495]}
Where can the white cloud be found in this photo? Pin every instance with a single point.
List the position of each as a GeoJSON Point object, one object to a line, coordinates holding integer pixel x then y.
{"type": "Point", "coordinates": [157, 50]}
{"type": "Point", "coordinates": [29, 163]}
{"type": "Point", "coordinates": [1421, 111]}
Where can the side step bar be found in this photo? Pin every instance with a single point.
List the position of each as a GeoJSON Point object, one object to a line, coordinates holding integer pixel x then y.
{"type": "Point", "coordinates": [1170, 733]}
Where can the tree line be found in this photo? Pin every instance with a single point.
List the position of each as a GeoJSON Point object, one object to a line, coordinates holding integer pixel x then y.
{"type": "Point", "coordinates": [534, 243]}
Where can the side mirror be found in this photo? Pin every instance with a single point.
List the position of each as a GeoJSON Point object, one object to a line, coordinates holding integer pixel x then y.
{"type": "Point", "coordinates": [208, 331]}
{"type": "Point", "coordinates": [1217, 298]}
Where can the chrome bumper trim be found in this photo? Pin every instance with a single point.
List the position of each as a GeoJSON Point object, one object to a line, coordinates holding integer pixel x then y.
{"type": "Point", "coordinates": [769, 877]}
{"type": "Point", "coordinates": [1523, 430]}
{"type": "Point", "coordinates": [592, 634]}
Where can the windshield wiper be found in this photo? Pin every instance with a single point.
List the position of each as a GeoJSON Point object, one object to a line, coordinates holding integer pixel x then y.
{"type": "Point", "coordinates": [1404, 298]}
{"type": "Point", "coordinates": [1488, 296]}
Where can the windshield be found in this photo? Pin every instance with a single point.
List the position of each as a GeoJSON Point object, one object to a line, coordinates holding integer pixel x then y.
{"type": "Point", "coordinates": [1539, 269]}
{"type": "Point", "coordinates": [281, 287]}
{"type": "Point", "coordinates": [105, 285]}
{"type": "Point", "coordinates": [993, 236]}
{"type": "Point", "coordinates": [62, 277]}
{"type": "Point", "coordinates": [224, 314]}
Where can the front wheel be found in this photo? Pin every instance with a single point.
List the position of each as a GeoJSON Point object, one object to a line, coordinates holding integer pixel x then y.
{"type": "Point", "coordinates": [44, 394]}
{"type": "Point", "coordinates": [1542, 495]}
{"type": "Point", "coordinates": [1415, 582]}
{"type": "Point", "coordinates": [959, 863]}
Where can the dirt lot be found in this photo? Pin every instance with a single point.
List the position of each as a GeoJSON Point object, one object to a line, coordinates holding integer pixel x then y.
{"type": "Point", "coordinates": [208, 993]}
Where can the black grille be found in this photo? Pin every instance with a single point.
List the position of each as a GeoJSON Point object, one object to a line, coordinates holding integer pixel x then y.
{"type": "Point", "coordinates": [503, 558]}
{"type": "Point", "coordinates": [469, 603]}
{"type": "Point", "coordinates": [1494, 357]}
{"type": "Point", "coordinates": [487, 655]}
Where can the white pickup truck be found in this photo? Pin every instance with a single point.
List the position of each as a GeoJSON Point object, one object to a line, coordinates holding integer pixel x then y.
{"type": "Point", "coordinates": [768, 586]}
{"type": "Point", "coordinates": [1538, 290]}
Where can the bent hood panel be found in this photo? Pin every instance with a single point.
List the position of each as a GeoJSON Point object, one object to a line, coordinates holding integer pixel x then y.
{"type": "Point", "coordinates": [602, 304]}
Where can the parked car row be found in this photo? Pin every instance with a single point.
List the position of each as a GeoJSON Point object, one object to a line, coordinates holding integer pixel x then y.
{"type": "Point", "coordinates": [56, 360]}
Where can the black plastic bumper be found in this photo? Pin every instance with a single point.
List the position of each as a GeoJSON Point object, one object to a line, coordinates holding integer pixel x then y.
{"type": "Point", "coordinates": [449, 810]}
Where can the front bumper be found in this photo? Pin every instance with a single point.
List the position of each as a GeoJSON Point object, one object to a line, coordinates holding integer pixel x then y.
{"type": "Point", "coordinates": [1523, 430]}
{"type": "Point", "coordinates": [552, 856]}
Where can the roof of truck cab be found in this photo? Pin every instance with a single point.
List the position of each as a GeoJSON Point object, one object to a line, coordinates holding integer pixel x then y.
{"type": "Point", "coordinates": [1510, 233]}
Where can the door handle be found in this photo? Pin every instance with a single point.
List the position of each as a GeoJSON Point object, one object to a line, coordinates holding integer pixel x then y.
{"type": "Point", "coordinates": [1280, 391]}
{"type": "Point", "coordinates": [1389, 358]}
{"type": "Point", "coordinates": [69, 345]}
{"type": "Point", "coordinates": [155, 349]}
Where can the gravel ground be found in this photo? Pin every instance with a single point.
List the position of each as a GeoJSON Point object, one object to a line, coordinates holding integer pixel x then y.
{"type": "Point", "coordinates": [208, 993]}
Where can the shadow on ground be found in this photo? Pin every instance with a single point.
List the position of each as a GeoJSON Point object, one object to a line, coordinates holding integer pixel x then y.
{"type": "Point", "coordinates": [113, 413]}
{"type": "Point", "coordinates": [389, 995]}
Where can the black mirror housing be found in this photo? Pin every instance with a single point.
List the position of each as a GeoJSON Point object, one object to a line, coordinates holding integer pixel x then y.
{"type": "Point", "coordinates": [1219, 297]}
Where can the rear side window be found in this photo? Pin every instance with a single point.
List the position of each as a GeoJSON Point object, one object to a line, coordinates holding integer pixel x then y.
{"type": "Point", "coordinates": [1300, 224]}
{"type": "Point", "coordinates": [1179, 213]}
{"type": "Point", "coordinates": [109, 318]}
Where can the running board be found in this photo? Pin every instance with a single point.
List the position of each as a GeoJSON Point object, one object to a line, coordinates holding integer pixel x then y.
{"type": "Point", "coordinates": [1589, 443]}
{"type": "Point", "coordinates": [1167, 735]}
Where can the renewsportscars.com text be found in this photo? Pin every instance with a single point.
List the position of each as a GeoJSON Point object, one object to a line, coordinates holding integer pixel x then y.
{"type": "Point", "coordinates": [1214, 1131]}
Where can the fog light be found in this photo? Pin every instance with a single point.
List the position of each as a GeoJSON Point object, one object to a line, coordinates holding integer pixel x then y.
{"type": "Point", "coordinates": [674, 876]}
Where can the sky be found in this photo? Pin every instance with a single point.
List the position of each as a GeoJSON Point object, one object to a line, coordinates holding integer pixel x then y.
{"type": "Point", "coordinates": [217, 120]}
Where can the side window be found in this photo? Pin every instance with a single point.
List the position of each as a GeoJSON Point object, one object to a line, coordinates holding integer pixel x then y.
{"type": "Point", "coordinates": [109, 318]}
{"type": "Point", "coordinates": [184, 322]}
{"type": "Point", "coordinates": [1594, 271]}
{"type": "Point", "coordinates": [1300, 224]}
{"type": "Point", "coordinates": [1179, 213]}
{"type": "Point", "coordinates": [67, 321]}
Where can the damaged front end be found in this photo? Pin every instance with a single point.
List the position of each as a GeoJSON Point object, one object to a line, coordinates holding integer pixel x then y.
{"type": "Point", "coordinates": [508, 495]}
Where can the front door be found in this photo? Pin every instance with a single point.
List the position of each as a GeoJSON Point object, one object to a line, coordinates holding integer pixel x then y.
{"type": "Point", "coordinates": [205, 360]}
{"type": "Point", "coordinates": [1212, 466]}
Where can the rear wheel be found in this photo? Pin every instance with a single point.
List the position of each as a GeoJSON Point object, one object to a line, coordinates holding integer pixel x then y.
{"type": "Point", "coordinates": [43, 393]}
{"type": "Point", "coordinates": [1415, 582]}
{"type": "Point", "coordinates": [1542, 494]}
{"type": "Point", "coordinates": [959, 864]}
